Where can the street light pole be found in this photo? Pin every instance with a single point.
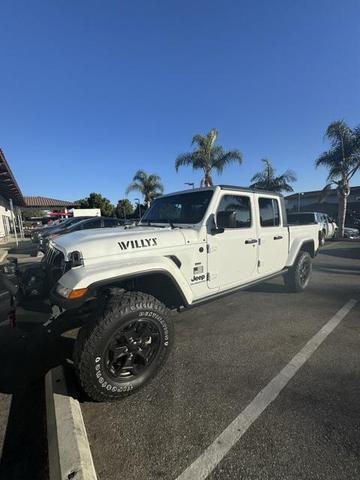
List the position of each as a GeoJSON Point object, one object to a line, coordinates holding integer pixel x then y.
{"type": "Point", "coordinates": [137, 202]}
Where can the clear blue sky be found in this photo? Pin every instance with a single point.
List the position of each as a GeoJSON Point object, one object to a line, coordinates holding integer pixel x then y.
{"type": "Point", "coordinates": [92, 90]}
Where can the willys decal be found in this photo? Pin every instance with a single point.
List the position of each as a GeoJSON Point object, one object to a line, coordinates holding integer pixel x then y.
{"type": "Point", "coordinates": [141, 243]}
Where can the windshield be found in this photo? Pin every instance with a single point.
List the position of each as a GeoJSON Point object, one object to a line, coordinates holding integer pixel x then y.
{"type": "Point", "coordinates": [181, 208]}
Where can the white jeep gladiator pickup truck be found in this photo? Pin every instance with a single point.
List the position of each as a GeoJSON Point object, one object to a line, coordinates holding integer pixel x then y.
{"type": "Point", "coordinates": [190, 247]}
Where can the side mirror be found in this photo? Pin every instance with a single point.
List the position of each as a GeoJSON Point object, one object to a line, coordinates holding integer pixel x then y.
{"type": "Point", "coordinates": [217, 230]}
{"type": "Point", "coordinates": [226, 219]}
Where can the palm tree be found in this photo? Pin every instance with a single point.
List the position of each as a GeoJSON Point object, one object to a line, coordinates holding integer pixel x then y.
{"type": "Point", "coordinates": [342, 161]}
{"type": "Point", "coordinates": [267, 179]}
{"type": "Point", "coordinates": [208, 157]}
{"type": "Point", "coordinates": [149, 185]}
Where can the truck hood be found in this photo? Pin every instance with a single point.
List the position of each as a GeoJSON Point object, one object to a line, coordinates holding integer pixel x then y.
{"type": "Point", "coordinates": [119, 241]}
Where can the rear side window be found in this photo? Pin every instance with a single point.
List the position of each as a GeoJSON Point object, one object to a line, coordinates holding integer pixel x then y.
{"type": "Point", "coordinates": [240, 205]}
{"type": "Point", "coordinates": [269, 212]}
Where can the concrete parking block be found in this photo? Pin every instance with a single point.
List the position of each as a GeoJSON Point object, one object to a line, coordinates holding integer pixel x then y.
{"type": "Point", "coordinates": [69, 451]}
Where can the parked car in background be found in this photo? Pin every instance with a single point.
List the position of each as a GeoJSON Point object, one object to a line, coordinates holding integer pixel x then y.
{"type": "Point", "coordinates": [94, 222]}
{"type": "Point", "coordinates": [40, 234]}
{"type": "Point", "coordinates": [327, 226]}
{"type": "Point", "coordinates": [350, 232]}
{"type": "Point", "coordinates": [8, 290]}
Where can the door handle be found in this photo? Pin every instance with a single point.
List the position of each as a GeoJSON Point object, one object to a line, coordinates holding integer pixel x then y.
{"type": "Point", "coordinates": [251, 240]}
{"type": "Point", "coordinates": [278, 237]}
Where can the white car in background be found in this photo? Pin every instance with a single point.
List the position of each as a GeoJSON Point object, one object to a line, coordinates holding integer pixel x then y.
{"type": "Point", "coordinates": [351, 232]}
{"type": "Point", "coordinates": [327, 226]}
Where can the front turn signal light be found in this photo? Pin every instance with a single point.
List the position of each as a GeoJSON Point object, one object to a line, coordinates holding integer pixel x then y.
{"type": "Point", "coordinates": [78, 293]}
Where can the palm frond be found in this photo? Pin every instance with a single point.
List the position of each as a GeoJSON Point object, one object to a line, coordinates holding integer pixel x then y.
{"type": "Point", "coordinates": [267, 180]}
{"type": "Point", "coordinates": [134, 187]}
{"type": "Point", "coordinates": [186, 159]}
{"type": "Point", "coordinates": [325, 192]}
{"type": "Point", "coordinates": [326, 159]}
{"type": "Point", "coordinates": [207, 155]}
{"type": "Point", "coordinates": [288, 176]}
{"type": "Point", "coordinates": [258, 177]}
{"type": "Point", "coordinates": [199, 140]}
{"type": "Point", "coordinates": [338, 132]}
{"type": "Point", "coordinates": [223, 159]}
{"type": "Point", "coordinates": [140, 175]}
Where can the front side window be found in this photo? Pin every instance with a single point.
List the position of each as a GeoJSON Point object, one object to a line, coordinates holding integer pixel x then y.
{"type": "Point", "coordinates": [269, 212]}
{"type": "Point", "coordinates": [181, 208]}
{"type": "Point", "coordinates": [240, 207]}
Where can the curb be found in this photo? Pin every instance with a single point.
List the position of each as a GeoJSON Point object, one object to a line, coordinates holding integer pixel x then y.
{"type": "Point", "coordinates": [68, 445]}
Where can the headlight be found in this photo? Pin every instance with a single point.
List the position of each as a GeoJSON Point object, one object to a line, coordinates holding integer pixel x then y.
{"type": "Point", "coordinates": [63, 291]}
{"type": "Point", "coordinates": [70, 294]}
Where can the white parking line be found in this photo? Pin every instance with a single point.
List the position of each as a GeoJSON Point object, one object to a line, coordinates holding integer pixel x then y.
{"type": "Point", "coordinates": [213, 455]}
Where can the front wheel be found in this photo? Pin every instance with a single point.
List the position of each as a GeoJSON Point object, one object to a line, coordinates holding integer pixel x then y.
{"type": "Point", "coordinates": [298, 276]}
{"type": "Point", "coordinates": [322, 239]}
{"type": "Point", "coordinates": [124, 347]}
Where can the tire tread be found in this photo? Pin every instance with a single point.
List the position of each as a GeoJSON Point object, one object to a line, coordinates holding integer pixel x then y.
{"type": "Point", "coordinates": [90, 335]}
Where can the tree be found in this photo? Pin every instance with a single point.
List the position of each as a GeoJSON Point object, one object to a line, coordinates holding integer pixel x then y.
{"type": "Point", "coordinates": [149, 186]}
{"type": "Point", "coordinates": [342, 160]}
{"type": "Point", "coordinates": [96, 200]}
{"type": "Point", "coordinates": [208, 157]}
{"type": "Point", "coordinates": [267, 179]}
{"type": "Point", "coordinates": [124, 208]}
{"type": "Point", "coordinates": [32, 212]}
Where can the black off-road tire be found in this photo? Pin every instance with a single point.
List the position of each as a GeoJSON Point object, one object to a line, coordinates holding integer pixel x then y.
{"type": "Point", "coordinates": [91, 357]}
{"type": "Point", "coordinates": [298, 276]}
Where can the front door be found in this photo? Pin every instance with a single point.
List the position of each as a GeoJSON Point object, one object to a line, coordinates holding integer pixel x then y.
{"type": "Point", "coordinates": [273, 236]}
{"type": "Point", "coordinates": [232, 255]}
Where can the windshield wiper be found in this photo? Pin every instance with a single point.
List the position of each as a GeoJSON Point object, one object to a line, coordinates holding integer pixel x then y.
{"type": "Point", "coordinates": [149, 224]}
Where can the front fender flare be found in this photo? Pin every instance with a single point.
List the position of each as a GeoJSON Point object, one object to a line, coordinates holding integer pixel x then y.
{"type": "Point", "coordinates": [99, 275]}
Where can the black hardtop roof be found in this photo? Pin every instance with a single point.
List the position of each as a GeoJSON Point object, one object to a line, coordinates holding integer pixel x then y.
{"type": "Point", "coordinates": [225, 187]}
{"type": "Point", "coordinates": [247, 189]}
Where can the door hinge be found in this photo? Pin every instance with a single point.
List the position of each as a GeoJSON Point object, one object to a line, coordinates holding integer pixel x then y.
{"type": "Point", "coordinates": [208, 277]}
{"type": "Point", "coordinates": [259, 263]}
{"type": "Point", "coordinates": [207, 248]}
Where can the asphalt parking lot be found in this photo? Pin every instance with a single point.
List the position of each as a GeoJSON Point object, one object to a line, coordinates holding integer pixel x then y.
{"type": "Point", "coordinates": [226, 353]}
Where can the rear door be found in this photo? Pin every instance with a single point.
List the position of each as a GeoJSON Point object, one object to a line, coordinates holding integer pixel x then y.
{"type": "Point", "coordinates": [232, 255]}
{"type": "Point", "coordinates": [273, 235]}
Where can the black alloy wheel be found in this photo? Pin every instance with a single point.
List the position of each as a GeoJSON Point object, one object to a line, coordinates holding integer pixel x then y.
{"type": "Point", "coordinates": [132, 349]}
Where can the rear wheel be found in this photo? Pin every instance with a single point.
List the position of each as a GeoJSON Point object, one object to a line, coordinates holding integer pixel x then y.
{"type": "Point", "coordinates": [298, 276]}
{"type": "Point", "coordinates": [124, 347]}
